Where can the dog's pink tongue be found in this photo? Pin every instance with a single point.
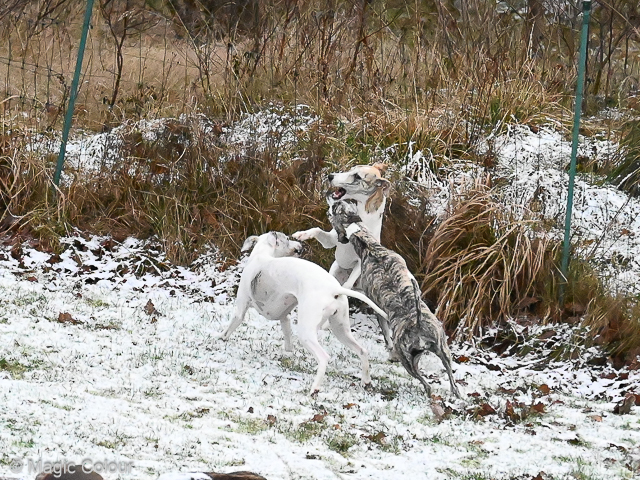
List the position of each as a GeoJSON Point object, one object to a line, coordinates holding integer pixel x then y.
{"type": "Point", "coordinates": [338, 193]}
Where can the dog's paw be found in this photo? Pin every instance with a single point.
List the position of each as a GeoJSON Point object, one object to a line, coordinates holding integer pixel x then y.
{"type": "Point", "coordinates": [304, 235]}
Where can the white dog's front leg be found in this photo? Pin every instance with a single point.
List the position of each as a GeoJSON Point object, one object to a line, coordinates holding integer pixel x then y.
{"type": "Point", "coordinates": [326, 239]}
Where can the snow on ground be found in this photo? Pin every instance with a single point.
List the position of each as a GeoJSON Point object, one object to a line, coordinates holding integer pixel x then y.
{"type": "Point", "coordinates": [605, 220]}
{"type": "Point", "coordinates": [273, 128]}
{"type": "Point", "coordinates": [134, 373]}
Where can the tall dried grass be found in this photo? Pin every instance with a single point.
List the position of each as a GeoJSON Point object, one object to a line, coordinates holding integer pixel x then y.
{"type": "Point", "coordinates": [482, 267]}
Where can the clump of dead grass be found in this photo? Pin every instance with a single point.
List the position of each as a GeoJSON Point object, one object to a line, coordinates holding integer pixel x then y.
{"type": "Point", "coordinates": [482, 267]}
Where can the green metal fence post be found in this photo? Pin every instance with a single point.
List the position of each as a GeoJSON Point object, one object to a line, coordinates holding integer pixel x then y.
{"type": "Point", "coordinates": [73, 93]}
{"type": "Point", "coordinates": [584, 40]}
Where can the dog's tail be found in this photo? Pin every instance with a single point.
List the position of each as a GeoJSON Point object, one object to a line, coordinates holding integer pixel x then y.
{"type": "Point", "coordinates": [418, 298]}
{"type": "Point", "coordinates": [363, 298]}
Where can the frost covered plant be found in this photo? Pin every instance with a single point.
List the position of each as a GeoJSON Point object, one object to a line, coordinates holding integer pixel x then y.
{"type": "Point", "coordinates": [483, 267]}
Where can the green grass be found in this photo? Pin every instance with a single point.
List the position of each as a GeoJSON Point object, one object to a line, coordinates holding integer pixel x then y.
{"type": "Point", "coordinates": [305, 431]}
{"type": "Point", "coordinates": [341, 442]}
{"type": "Point", "coordinates": [15, 369]}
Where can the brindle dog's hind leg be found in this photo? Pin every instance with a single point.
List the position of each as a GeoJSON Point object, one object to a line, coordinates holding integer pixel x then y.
{"type": "Point", "coordinates": [444, 354]}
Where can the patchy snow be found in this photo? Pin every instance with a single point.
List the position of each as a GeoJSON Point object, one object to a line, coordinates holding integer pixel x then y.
{"type": "Point", "coordinates": [136, 376]}
{"type": "Point", "coordinates": [419, 169]}
{"type": "Point", "coordinates": [605, 220]}
{"type": "Point", "coordinates": [532, 170]}
{"type": "Point", "coordinates": [276, 128]}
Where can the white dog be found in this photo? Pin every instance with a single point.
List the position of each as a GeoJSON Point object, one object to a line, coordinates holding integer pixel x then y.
{"type": "Point", "coordinates": [273, 283]}
{"type": "Point", "coordinates": [365, 185]}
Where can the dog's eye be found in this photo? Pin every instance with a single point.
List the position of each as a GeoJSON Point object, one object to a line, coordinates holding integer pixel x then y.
{"type": "Point", "coordinates": [356, 177]}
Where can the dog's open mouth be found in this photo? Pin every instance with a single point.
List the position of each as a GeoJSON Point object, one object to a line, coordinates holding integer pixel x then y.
{"type": "Point", "coordinates": [338, 193]}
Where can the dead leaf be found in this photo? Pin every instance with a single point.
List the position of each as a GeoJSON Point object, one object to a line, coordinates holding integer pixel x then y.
{"type": "Point", "coordinates": [378, 438]}
{"type": "Point", "coordinates": [538, 407]}
{"type": "Point", "coordinates": [16, 252]}
{"type": "Point", "coordinates": [150, 308]}
{"type": "Point", "coordinates": [67, 318]}
{"type": "Point", "coordinates": [462, 359]}
{"type": "Point", "coordinates": [349, 406]}
{"type": "Point", "coordinates": [484, 410]}
{"type": "Point", "coordinates": [547, 334]}
{"type": "Point", "coordinates": [544, 389]}
{"type": "Point", "coordinates": [53, 259]}
{"type": "Point", "coordinates": [271, 419]}
{"type": "Point", "coordinates": [509, 412]}
{"type": "Point", "coordinates": [318, 417]}
{"type": "Point", "coordinates": [32, 279]}
{"type": "Point", "coordinates": [620, 448]}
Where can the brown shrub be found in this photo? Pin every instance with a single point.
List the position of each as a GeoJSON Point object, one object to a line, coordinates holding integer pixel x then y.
{"type": "Point", "coordinates": [481, 266]}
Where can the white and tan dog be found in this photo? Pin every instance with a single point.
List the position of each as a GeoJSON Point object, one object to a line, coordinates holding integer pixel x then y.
{"type": "Point", "coordinates": [365, 185]}
{"type": "Point", "coordinates": [274, 282]}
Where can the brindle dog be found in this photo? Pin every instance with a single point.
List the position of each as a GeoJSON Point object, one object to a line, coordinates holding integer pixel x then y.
{"type": "Point", "coordinates": [387, 281]}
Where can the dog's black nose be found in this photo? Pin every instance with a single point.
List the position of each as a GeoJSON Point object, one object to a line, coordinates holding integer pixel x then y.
{"type": "Point", "coordinates": [330, 177]}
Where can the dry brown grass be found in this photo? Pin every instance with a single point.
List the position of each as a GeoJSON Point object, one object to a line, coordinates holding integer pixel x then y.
{"type": "Point", "coordinates": [482, 267]}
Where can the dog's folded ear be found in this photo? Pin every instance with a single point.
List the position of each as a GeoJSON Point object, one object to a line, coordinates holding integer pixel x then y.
{"type": "Point", "coordinates": [384, 184]}
{"type": "Point", "coordinates": [382, 167]}
{"type": "Point", "coordinates": [249, 243]}
{"type": "Point", "coordinates": [375, 201]}
{"type": "Point", "coordinates": [273, 239]}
